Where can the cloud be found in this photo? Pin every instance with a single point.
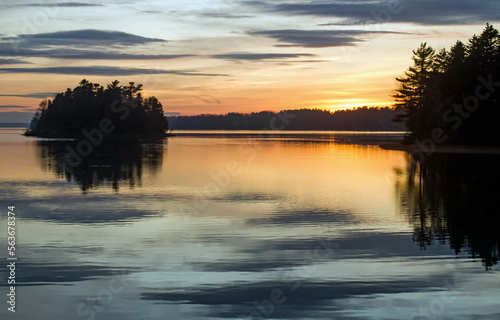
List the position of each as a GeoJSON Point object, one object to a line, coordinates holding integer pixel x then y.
{"type": "Point", "coordinates": [422, 12]}
{"type": "Point", "coordinates": [171, 114]}
{"type": "Point", "coordinates": [208, 99]}
{"type": "Point", "coordinates": [306, 61]}
{"type": "Point", "coordinates": [318, 38]}
{"type": "Point", "coordinates": [347, 22]}
{"type": "Point", "coordinates": [260, 56]}
{"type": "Point", "coordinates": [104, 71]}
{"type": "Point", "coordinates": [224, 15]}
{"type": "Point", "coordinates": [81, 44]}
{"type": "Point", "coordinates": [38, 95]}
{"type": "Point", "coordinates": [79, 54]}
{"type": "Point", "coordinates": [11, 61]}
{"type": "Point", "coordinates": [63, 4]}
{"type": "Point", "coordinates": [82, 38]}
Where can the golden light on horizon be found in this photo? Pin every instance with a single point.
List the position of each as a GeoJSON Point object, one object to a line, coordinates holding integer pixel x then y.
{"type": "Point", "coordinates": [350, 104]}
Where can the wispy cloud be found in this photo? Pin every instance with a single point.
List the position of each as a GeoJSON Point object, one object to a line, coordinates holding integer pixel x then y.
{"type": "Point", "coordinates": [11, 61]}
{"type": "Point", "coordinates": [208, 99]}
{"type": "Point", "coordinates": [224, 15]}
{"type": "Point", "coordinates": [63, 4]}
{"type": "Point", "coordinates": [6, 50]}
{"type": "Point", "coordinates": [105, 71]}
{"type": "Point", "coordinates": [82, 38]}
{"type": "Point", "coordinates": [260, 56]}
{"type": "Point", "coordinates": [38, 95]}
{"type": "Point", "coordinates": [318, 38]}
{"type": "Point", "coordinates": [81, 45]}
{"type": "Point", "coordinates": [152, 11]}
{"type": "Point", "coordinates": [422, 12]}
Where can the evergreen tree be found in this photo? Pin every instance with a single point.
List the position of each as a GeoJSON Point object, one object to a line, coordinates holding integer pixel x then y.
{"type": "Point", "coordinates": [482, 62]}
{"type": "Point", "coordinates": [412, 89]}
{"type": "Point", "coordinates": [439, 91]}
{"type": "Point", "coordinates": [83, 108]}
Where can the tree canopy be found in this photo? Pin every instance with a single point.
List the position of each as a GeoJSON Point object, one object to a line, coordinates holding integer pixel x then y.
{"type": "Point", "coordinates": [453, 96]}
{"type": "Point", "coordinates": [118, 110]}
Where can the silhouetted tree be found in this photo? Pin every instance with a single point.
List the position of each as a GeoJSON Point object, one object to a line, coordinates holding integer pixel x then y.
{"type": "Point", "coordinates": [412, 90]}
{"type": "Point", "coordinates": [440, 91]}
{"type": "Point", "coordinates": [375, 119]}
{"type": "Point", "coordinates": [83, 108]}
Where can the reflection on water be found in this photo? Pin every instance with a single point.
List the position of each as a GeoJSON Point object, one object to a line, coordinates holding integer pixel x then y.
{"type": "Point", "coordinates": [298, 226]}
{"type": "Point", "coordinates": [112, 162]}
{"type": "Point", "coordinates": [454, 198]}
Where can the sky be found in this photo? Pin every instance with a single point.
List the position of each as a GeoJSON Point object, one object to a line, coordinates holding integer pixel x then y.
{"type": "Point", "coordinates": [220, 56]}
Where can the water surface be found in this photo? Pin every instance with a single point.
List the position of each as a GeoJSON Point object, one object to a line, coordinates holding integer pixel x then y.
{"type": "Point", "coordinates": [250, 225]}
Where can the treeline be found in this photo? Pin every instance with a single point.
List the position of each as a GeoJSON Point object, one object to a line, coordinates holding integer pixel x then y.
{"type": "Point", "coordinates": [362, 119]}
{"type": "Point", "coordinates": [115, 110]}
{"type": "Point", "coordinates": [453, 96]}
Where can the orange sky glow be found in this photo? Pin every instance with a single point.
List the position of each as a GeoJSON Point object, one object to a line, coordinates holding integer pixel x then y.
{"type": "Point", "coordinates": [218, 56]}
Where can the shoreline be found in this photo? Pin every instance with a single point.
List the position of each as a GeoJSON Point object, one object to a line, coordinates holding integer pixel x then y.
{"type": "Point", "coordinates": [104, 137]}
{"type": "Point", "coordinates": [459, 149]}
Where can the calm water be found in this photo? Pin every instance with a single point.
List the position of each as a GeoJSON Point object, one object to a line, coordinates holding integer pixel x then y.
{"type": "Point", "coordinates": [249, 226]}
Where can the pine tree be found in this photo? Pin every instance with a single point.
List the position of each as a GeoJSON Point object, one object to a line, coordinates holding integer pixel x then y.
{"type": "Point", "coordinates": [83, 108]}
{"type": "Point", "coordinates": [440, 91]}
{"type": "Point", "coordinates": [482, 62]}
{"type": "Point", "coordinates": [412, 89]}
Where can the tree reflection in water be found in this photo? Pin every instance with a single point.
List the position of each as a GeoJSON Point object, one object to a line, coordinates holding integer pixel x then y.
{"type": "Point", "coordinates": [454, 198]}
{"type": "Point", "coordinates": [112, 163]}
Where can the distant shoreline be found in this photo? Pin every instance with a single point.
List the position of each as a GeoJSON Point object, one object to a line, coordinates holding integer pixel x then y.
{"type": "Point", "coordinates": [107, 137]}
{"type": "Point", "coordinates": [362, 130]}
{"type": "Point", "coordinates": [459, 149]}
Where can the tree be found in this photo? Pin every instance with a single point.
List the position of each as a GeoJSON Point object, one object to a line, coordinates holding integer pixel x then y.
{"type": "Point", "coordinates": [83, 108]}
{"type": "Point", "coordinates": [440, 91]}
{"type": "Point", "coordinates": [482, 61]}
{"type": "Point", "coordinates": [411, 91]}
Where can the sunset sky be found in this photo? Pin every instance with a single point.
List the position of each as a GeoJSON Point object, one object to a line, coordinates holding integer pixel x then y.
{"type": "Point", "coordinates": [219, 56]}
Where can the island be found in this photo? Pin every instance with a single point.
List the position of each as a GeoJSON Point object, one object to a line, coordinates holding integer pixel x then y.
{"type": "Point", "coordinates": [94, 112]}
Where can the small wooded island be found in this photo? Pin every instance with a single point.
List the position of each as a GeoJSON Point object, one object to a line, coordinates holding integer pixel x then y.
{"type": "Point", "coordinates": [114, 110]}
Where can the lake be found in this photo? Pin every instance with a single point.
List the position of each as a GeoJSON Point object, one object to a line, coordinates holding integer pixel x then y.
{"type": "Point", "coordinates": [248, 225]}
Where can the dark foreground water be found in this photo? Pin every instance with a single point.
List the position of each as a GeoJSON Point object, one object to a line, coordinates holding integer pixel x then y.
{"type": "Point", "coordinates": [248, 226]}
